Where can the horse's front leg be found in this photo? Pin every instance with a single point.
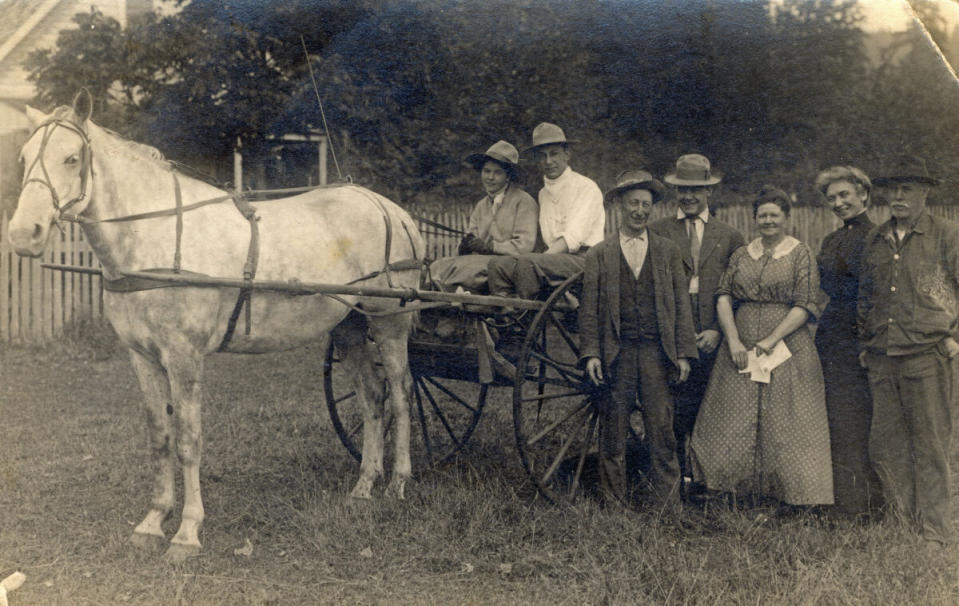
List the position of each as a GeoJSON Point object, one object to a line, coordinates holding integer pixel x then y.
{"type": "Point", "coordinates": [186, 372]}
{"type": "Point", "coordinates": [391, 335]}
{"type": "Point", "coordinates": [156, 393]}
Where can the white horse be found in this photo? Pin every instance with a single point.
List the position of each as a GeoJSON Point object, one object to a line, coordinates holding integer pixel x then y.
{"type": "Point", "coordinates": [138, 213]}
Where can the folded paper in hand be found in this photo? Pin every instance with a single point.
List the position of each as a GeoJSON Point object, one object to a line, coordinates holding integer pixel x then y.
{"type": "Point", "coordinates": [760, 367]}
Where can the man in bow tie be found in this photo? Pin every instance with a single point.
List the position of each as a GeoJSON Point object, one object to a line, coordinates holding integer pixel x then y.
{"type": "Point", "coordinates": [636, 336]}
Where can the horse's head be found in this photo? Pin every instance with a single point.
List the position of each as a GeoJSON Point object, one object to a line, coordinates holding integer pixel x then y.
{"type": "Point", "coordinates": [56, 179]}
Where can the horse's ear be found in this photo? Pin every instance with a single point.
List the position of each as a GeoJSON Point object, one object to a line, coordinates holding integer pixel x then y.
{"type": "Point", "coordinates": [83, 105]}
{"type": "Point", "coordinates": [35, 116]}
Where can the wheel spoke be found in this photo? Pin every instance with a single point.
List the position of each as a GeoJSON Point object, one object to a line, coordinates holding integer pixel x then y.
{"type": "Point", "coordinates": [448, 392]}
{"type": "Point", "coordinates": [593, 423]}
{"type": "Point", "coordinates": [565, 334]}
{"type": "Point", "coordinates": [549, 428]}
{"type": "Point", "coordinates": [422, 417]}
{"type": "Point", "coordinates": [439, 413]}
{"type": "Point", "coordinates": [346, 397]}
{"type": "Point", "coordinates": [552, 396]}
{"type": "Point", "coordinates": [562, 450]}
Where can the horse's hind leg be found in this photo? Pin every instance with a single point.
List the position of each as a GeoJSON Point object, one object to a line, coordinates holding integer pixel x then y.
{"type": "Point", "coordinates": [156, 392]}
{"type": "Point", "coordinates": [355, 351]}
{"type": "Point", "coordinates": [391, 334]}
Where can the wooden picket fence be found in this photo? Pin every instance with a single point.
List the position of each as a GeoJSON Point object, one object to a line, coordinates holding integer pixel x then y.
{"type": "Point", "coordinates": [36, 303]}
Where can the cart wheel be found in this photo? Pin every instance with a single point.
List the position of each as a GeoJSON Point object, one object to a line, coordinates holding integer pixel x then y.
{"type": "Point", "coordinates": [446, 412]}
{"type": "Point", "coordinates": [555, 412]}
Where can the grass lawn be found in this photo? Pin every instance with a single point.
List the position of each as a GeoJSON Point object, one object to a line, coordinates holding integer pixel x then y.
{"type": "Point", "coordinates": [281, 529]}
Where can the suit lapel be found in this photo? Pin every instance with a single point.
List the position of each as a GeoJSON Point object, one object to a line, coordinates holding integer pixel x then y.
{"type": "Point", "coordinates": [710, 242]}
{"type": "Point", "coordinates": [611, 255]}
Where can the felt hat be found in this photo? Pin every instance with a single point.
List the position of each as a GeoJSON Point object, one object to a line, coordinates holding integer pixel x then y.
{"type": "Point", "coordinates": [502, 153]}
{"type": "Point", "coordinates": [636, 179]}
{"type": "Point", "coordinates": [904, 168]}
{"type": "Point", "coordinates": [548, 134]}
{"type": "Point", "coordinates": [692, 170]}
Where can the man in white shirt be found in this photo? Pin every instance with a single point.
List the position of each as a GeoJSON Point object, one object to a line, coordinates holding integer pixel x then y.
{"type": "Point", "coordinates": [571, 219]}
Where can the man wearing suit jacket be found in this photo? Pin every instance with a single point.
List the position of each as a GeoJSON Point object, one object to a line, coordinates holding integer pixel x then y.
{"type": "Point", "coordinates": [636, 330]}
{"type": "Point", "coordinates": [706, 244]}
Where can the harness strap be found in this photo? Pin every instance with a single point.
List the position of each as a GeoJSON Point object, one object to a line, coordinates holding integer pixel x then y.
{"type": "Point", "coordinates": [244, 299]}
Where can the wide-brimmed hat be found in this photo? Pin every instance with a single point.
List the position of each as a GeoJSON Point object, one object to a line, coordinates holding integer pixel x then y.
{"type": "Point", "coordinates": [636, 179]}
{"type": "Point", "coordinates": [502, 153]}
{"type": "Point", "coordinates": [548, 134]}
{"type": "Point", "coordinates": [904, 168]}
{"type": "Point", "coordinates": [692, 169]}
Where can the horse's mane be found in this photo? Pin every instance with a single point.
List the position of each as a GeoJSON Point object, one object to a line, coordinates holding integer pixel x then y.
{"type": "Point", "coordinates": [114, 144]}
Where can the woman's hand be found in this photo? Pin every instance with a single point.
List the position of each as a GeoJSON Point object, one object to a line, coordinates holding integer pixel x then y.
{"type": "Point", "coordinates": [594, 368]}
{"type": "Point", "coordinates": [764, 347]}
{"type": "Point", "coordinates": [738, 352]}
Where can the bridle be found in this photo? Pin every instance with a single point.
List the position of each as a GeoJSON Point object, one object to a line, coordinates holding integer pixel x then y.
{"type": "Point", "coordinates": [86, 170]}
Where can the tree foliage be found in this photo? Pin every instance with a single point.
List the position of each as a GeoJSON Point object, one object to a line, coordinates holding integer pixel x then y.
{"type": "Point", "coordinates": [771, 90]}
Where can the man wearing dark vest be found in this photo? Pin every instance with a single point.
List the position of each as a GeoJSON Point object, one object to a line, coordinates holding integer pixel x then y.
{"type": "Point", "coordinates": [636, 333]}
{"type": "Point", "coordinates": [706, 244]}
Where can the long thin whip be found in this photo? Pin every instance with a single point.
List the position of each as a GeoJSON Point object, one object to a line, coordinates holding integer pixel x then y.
{"type": "Point", "coordinates": [316, 90]}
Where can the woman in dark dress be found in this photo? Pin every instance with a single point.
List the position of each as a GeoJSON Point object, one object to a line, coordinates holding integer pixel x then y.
{"type": "Point", "coordinates": [848, 401]}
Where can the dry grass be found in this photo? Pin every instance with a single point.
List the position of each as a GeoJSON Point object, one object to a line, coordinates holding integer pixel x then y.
{"type": "Point", "coordinates": [73, 483]}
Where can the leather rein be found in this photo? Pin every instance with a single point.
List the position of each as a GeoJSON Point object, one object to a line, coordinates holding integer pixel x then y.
{"type": "Point", "coordinates": [131, 284]}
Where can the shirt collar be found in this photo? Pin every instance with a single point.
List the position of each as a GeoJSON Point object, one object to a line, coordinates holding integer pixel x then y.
{"type": "Point", "coordinates": [680, 215]}
{"type": "Point", "coordinates": [624, 239]}
{"type": "Point", "coordinates": [558, 179]}
{"type": "Point", "coordinates": [755, 248]}
{"type": "Point", "coordinates": [859, 219]}
{"type": "Point", "coordinates": [922, 224]}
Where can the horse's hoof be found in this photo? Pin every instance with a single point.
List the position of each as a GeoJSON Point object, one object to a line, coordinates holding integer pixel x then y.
{"type": "Point", "coordinates": [148, 542]}
{"type": "Point", "coordinates": [361, 495]}
{"type": "Point", "coordinates": [179, 553]}
{"type": "Point", "coordinates": [362, 490]}
{"type": "Point", "coordinates": [396, 489]}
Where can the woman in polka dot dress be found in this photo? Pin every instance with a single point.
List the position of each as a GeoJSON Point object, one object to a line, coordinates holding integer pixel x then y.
{"type": "Point", "coordinates": [766, 439]}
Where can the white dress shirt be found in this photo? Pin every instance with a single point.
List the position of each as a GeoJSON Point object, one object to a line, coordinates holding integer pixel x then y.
{"type": "Point", "coordinates": [571, 207]}
{"type": "Point", "coordinates": [634, 250]}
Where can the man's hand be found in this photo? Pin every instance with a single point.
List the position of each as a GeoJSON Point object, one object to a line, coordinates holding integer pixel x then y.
{"type": "Point", "coordinates": [465, 243]}
{"type": "Point", "coordinates": [557, 247]}
{"type": "Point", "coordinates": [594, 368]}
{"type": "Point", "coordinates": [684, 368]}
{"type": "Point", "coordinates": [952, 348]}
{"type": "Point", "coordinates": [482, 247]}
{"type": "Point", "coordinates": [708, 340]}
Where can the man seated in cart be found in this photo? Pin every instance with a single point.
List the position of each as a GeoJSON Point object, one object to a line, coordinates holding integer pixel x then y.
{"type": "Point", "coordinates": [636, 336]}
{"type": "Point", "coordinates": [571, 219]}
{"type": "Point", "coordinates": [503, 222]}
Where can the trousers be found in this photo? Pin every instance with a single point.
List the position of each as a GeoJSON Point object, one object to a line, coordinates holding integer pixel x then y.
{"type": "Point", "coordinates": [910, 436]}
{"type": "Point", "coordinates": [640, 370]}
{"type": "Point", "coordinates": [529, 275]}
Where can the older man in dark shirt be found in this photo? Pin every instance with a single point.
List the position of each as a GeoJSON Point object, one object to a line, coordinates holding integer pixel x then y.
{"type": "Point", "coordinates": [908, 323]}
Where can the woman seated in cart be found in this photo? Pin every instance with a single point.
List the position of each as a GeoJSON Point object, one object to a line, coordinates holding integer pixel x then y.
{"type": "Point", "coordinates": [503, 222]}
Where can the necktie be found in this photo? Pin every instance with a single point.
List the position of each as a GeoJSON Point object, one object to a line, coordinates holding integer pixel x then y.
{"type": "Point", "coordinates": [694, 243]}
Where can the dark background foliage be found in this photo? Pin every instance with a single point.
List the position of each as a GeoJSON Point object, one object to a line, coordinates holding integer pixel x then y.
{"type": "Point", "coordinates": [771, 91]}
